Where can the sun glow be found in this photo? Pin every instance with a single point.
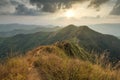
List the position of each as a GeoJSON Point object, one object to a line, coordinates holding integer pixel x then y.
{"type": "Point", "coordinates": [69, 14]}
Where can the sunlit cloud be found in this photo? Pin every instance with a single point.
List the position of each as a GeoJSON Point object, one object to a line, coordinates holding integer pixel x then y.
{"type": "Point", "coordinates": [58, 11]}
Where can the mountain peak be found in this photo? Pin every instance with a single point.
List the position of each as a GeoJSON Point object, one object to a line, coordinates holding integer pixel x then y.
{"type": "Point", "coordinates": [84, 27]}
{"type": "Point", "coordinates": [70, 28]}
{"type": "Point", "coordinates": [71, 25]}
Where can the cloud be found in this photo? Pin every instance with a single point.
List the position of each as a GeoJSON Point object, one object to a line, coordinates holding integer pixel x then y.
{"type": "Point", "coordinates": [97, 3]}
{"type": "Point", "coordinates": [21, 9]}
{"type": "Point", "coordinates": [54, 5]}
{"type": "Point", "coordinates": [116, 9]}
{"type": "Point", "coordinates": [6, 7]}
{"type": "Point", "coordinates": [4, 2]}
{"type": "Point", "coordinates": [38, 7]}
{"type": "Point", "coordinates": [17, 7]}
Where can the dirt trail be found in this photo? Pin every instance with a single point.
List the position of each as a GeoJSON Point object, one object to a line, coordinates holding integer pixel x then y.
{"type": "Point", "coordinates": [33, 75]}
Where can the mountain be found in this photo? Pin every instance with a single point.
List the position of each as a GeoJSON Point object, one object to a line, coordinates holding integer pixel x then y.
{"type": "Point", "coordinates": [60, 61]}
{"type": "Point", "coordinates": [112, 29]}
{"type": "Point", "coordinates": [85, 37]}
{"type": "Point", "coordinates": [22, 31]}
{"type": "Point", "coordinates": [89, 39]}
{"type": "Point", "coordinates": [22, 42]}
{"type": "Point", "coordinates": [15, 26]}
{"type": "Point", "coordinates": [118, 37]}
{"type": "Point", "coordinates": [10, 27]}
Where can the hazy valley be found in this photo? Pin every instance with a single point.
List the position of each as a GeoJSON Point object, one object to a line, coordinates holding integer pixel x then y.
{"type": "Point", "coordinates": [112, 29]}
{"type": "Point", "coordinates": [9, 30]}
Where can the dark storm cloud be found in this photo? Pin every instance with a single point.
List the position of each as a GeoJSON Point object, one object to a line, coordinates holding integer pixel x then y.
{"type": "Point", "coordinates": [16, 7]}
{"type": "Point", "coordinates": [116, 9]}
{"type": "Point", "coordinates": [13, 2]}
{"type": "Point", "coordinates": [5, 7]}
{"type": "Point", "coordinates": [51, 6]}
{"type": "Point", "coordinates": [54, 5]}
{"type": "Point", "coordinates": [4, 3]}
{"type": "Point", "coordinates": [97, 3]}
{"type": "Point", "coordinates": [21, 9]}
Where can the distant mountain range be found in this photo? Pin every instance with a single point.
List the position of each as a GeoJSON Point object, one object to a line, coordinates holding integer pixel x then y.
{"type": "Point", "coordinates": [22, 31]}
{"type": "Point", "coordinates": [113, 29]}
{"type": "Point", "coordinates": [118, 37]}
{"type": "Point", "coordinates": [8, 30]}
{"type": "Point", "coordinates": [11, 27]}
{"type": "Point", "coordinates": [15, 26]}
{"type": "Point", "coordinates": [85, 37]}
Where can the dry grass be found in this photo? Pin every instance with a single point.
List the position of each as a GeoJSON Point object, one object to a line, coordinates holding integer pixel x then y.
{"type": "Point", "coordinates": [14, 69]}
{"type": "Point", "coordinates": [52, 67]}
{"type": "Point", "coordinates": [52, 63]}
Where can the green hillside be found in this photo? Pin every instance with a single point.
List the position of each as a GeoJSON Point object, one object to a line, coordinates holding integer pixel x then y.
{"type": "Point", "coordinates": [22, 43]}
{"type": "Point", "coordinates": [83, 36]}
{"type": "Point", "coordinates": [60, 61]}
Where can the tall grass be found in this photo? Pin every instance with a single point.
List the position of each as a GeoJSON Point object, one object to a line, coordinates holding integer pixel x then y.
{"type": "Point", "coordinates": [52, 67]}
{"type": "Point", "coordinates": [52, 63]}
{"type": "Point", "coordinates": [13, 69]}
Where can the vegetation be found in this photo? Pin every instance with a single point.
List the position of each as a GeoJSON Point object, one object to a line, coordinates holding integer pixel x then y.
{"type": "Point", "coordinates": [83, 36]}
{"type": "Point", "coordinates": [14, 69]}
{"type": "Point", "coordinates": [60, 61]}
{"type": "Point", "coordinates": [74, 56]}
{"type": "Point", "coordinates": [52, 67]}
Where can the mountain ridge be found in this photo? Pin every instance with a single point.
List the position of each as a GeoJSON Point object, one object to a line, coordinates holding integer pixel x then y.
{"type": "Point", "coordinates": [83, 36]}
{"type": "Point", "coordinates": [59, 61]}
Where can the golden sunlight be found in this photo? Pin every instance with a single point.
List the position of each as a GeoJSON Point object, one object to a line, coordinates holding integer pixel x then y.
{"type": "Point", "coordinates": [69, 13]}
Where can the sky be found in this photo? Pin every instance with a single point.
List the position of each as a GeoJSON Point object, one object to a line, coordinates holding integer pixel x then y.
{"type": "Point", "coordinates": [59, 12]}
